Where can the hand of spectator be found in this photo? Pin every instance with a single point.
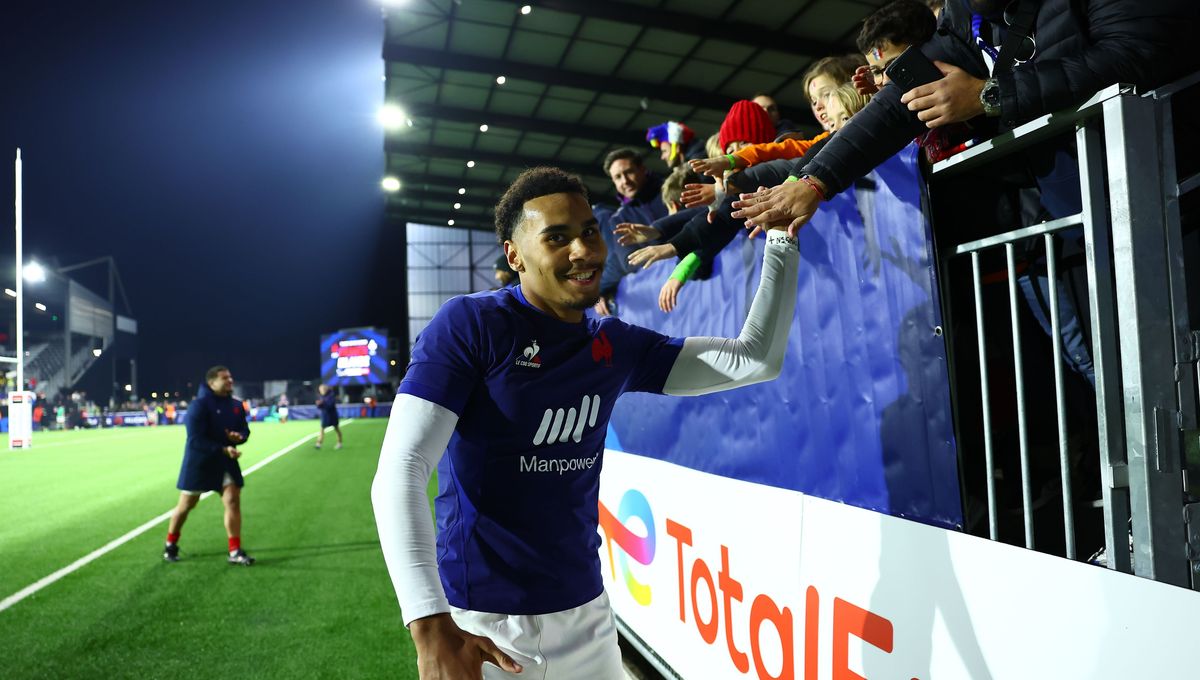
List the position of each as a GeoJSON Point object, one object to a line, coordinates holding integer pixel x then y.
{"type": "Point", "coordinates": [629, 233]}
{"type": "Point", "coordinates": [864, 81]}
{"type": "Point", "coordinates": [669, 295]}
{"type": "Point", "coordinates": [952, 99]}
{"type": "Point", "coordinates": [601, 307]}
{"type": "Point", "coordinates": [713, 167]}
{"type": "Point", "coordinates": [789, 205]}
{"type": "Point", "coordinates": [235, 437]}
{"type": "Point", "coordinates": [232, 452]}
{"type": "Point", "coordinates": [651, 254]}
{"type": "Point", "coordinates": [446, 651]}
{"type": "Point", "coordinates": [698, 194]}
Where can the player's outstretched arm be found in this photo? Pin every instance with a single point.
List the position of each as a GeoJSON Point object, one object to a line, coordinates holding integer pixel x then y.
{"type": "Point", "coordinates": [416, 439]}
{"type": "Point", "coordinates": [708, 365]}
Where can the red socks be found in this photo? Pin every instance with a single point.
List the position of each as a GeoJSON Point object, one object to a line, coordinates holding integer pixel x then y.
{"type": "Point", "coordinates": [235, 543]}
{"type": "Point", "coordinates": [172, 538]}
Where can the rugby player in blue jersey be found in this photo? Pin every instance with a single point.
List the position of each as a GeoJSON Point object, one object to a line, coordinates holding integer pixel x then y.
{"type": "Point", "coordinates": [509, 395]}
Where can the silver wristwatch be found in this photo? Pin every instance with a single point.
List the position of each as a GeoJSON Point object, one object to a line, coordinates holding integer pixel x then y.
{"type": "Point", "coordinates": [989, 97]}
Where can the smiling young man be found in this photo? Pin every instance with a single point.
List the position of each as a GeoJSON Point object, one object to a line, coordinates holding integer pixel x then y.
{"type": "Point", "coordinates": [512, 391]}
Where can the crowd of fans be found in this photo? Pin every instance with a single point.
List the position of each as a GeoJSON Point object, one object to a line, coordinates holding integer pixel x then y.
{"type": "Point", "coordinates": [1002, 62]}
{"type": "Point", "coordinates": [1002, 66]}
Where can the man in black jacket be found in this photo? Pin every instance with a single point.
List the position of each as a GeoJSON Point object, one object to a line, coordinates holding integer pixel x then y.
{"type": "Point", "coordinates": [1076, 49]}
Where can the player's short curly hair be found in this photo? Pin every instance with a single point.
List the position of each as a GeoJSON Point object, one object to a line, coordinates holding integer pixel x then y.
{"type": "Point", "coordinates": [531, 184]}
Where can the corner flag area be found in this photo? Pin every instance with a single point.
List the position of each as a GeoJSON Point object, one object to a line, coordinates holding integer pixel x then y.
{"type": "Point", "coordinates": [318, 602]}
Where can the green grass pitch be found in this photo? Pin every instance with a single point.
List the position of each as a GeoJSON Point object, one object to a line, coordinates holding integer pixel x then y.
{"type": "Point", "coordinates": [317, 604]}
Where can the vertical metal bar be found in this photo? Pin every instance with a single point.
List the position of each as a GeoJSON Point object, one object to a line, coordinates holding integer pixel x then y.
{"type": "Point", "coordinates": [1105, 353]}
{"type": "Point", "coordinates": [1147, 339]}
{"type": "Point", "coordinates": [1060, 407]}
{"type": "Point", "coordinates": [1019, 375]}
{"type": "Point", "coordinates": [988, 454]}
{"type": "Point", "coordinates": [20, 285]}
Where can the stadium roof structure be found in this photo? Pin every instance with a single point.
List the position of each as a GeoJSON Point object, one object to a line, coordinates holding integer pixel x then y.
{"type": "Point", "coordinates": [580, 77]}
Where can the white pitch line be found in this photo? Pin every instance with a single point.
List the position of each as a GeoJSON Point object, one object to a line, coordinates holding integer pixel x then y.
{"type": "Point", "coordinates": [116, 543]}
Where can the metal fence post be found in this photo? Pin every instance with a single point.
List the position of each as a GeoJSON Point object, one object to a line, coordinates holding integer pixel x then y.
{"type": "Point", "coordinates": [1141, 268]}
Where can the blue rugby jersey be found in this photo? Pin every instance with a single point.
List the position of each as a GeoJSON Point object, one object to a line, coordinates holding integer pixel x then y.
{"type": "Point", "coordinates": [519, 485]}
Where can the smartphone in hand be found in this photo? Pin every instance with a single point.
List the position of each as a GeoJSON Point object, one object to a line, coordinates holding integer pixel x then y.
{"type": "Point", "coordinates": [911, 69]}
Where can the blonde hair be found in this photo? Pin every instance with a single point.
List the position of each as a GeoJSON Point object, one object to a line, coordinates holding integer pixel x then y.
{"type": "Point", "coordinates": [672, 186]}
{"type": "Point", "coordinates": [712, 146]}
{"type": "Point", "coordinates": [849, 98]}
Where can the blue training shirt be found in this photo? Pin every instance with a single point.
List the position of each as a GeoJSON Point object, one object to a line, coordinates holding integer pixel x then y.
{"type": "Point", "coordinates": [518, 488]}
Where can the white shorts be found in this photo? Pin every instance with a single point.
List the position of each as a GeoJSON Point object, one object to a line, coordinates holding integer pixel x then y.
{"type": "Point", "coordinates": [283, 411]}
{"type": "Point", "coordinates": [567, 645]}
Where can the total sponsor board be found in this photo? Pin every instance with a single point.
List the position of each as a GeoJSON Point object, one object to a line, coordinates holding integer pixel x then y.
{"type": "Point", "coordinates": [727, 579]}
{"type": "Point", "coordinates": [716, 596]}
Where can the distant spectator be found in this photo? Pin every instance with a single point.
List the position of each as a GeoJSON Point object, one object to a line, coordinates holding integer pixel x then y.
{"type": "Point", "coordinates": [675, 143]}
{"type": "Point", "coordinates": [283, 408]}
{"type": "Point", "coordinates": [641, 203]}
{"type": "Point", "coordinates": [504, 274]}
{"type": "Point", "coordinates": [783, 126]}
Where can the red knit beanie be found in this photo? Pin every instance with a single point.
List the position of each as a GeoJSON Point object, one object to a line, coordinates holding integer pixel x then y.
{"type": "Point", "coordinates": [746, 122]}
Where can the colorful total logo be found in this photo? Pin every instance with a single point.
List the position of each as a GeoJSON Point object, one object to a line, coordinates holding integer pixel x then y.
{"type": "Point", "coordinates": [641, 549]}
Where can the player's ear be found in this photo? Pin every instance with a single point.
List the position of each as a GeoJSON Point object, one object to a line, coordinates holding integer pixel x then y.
{"type": "Point", "coordinates": [514, 258]}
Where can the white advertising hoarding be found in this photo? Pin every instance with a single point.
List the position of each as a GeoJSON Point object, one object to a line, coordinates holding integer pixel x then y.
{"type": "Point", "coordinates": [739, 580]}
{"type": "Point", "coordinates": [20, 419]}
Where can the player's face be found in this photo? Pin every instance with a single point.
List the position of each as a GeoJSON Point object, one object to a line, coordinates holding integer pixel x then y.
{"type": "Point", "coordinates": [559, 252]}
{"type": "Point", "coordinates": [222, 385]}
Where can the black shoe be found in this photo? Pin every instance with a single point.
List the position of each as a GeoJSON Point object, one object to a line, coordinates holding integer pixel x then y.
{"type": "Point", "coordinates": [171, 552]}
{"type": "Point", "coordinates": [240, 557]}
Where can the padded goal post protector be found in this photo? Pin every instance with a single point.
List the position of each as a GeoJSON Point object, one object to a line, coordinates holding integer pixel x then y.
{"type": "Point", "coordinates": [861, 413]}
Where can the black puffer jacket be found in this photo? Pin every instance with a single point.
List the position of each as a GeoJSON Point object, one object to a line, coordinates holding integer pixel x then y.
{"type": "Point", "coordinates": [1082, 47]}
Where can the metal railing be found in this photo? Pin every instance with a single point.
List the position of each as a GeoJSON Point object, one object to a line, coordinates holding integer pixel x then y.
{"type": "Point", "coordinates": [1143, 349]}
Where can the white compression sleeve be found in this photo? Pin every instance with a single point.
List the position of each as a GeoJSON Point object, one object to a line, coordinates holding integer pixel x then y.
{"type": "Point", "coordinates": [416, 438]}
{"type": "Point", "coordinates": [708, 365]}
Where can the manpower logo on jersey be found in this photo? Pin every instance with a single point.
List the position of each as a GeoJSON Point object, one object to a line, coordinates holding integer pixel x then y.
{"type": "Point", "coordinates": [633, 504]}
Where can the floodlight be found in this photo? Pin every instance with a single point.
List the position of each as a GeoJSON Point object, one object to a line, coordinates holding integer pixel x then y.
{"type": "Point", "coordinates": [390, 184]}
{"type": "Point", "coordinates": [500, 80]}
{"type": "Point", "coordinates": [40, 306]}
{"type": "Point", "coordinates": [483, 128]}
{"type": "Point", "coordinates": [457, 206]}
{"type": "Point", "coordinates": [35, 273]}
{"type": "Point", "coordinates": [450, 222]}
{"type": "Point", "coordinates": [526, 9]}
{"type": "Point", "coordinates": [470, 164]}
{"type": "Point", "coordinates": [97, 352]}
{"type": "Point", "coordinates": [391, 116]}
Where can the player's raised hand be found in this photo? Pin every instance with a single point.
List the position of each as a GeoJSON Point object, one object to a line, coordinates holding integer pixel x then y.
{"type": "Point", "coordinates": [630, 233]}
{"type": "Point", "coordinates": [447, 652]}
{"type": "Point", "coordinates": [235, 437]}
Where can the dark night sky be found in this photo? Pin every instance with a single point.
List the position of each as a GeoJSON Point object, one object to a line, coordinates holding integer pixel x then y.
{"type": "Point", "coordinates": [226, 154]}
